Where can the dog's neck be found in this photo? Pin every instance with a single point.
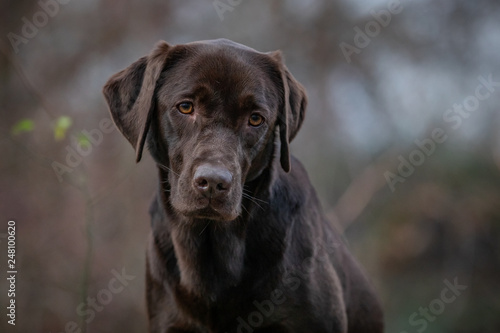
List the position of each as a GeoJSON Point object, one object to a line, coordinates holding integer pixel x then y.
{"type": "Point", "coordinates": [210, 257]}
{"type": "Point", "coordinates": [210, 254]}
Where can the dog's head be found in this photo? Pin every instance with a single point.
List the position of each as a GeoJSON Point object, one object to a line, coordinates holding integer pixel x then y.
{"type": "Point", "coordinates": [212, 113]}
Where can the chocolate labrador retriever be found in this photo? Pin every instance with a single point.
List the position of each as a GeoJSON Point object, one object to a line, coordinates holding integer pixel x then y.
{"type": "Point", "coordinates": [239, 242]}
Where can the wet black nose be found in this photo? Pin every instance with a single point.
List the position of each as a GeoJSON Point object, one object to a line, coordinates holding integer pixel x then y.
{"type": "Point", "coordinates": [212, 180]}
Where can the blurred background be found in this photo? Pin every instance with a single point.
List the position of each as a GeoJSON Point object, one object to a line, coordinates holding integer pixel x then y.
{"type": "Point", "coordinates": [401, 140]}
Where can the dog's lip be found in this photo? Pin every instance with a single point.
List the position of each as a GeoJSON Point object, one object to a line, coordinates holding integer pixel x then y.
{"type": "Point", "coordinates": [209, 208]}
{"type": "Point", "coordinates": [210, 213]}
{"type": "Point", "coordinates": [209, 203]}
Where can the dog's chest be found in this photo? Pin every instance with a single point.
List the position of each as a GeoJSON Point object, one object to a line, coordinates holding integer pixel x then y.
{"type": "Point", "coordinates": [215, 285]}
{"type": "Point", "coordinates": [216, 304]}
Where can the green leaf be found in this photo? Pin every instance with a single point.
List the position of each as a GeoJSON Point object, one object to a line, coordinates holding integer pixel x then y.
{"type": "Point", "coordinates": [83, 141]}
{"type": "Point", "coordinates": [24, 125]}
{"type": "Point", "coordinates": [63, 123]}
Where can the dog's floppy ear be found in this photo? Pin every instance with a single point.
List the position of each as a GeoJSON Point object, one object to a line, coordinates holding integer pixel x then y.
{"type": "Point", "coordinates": [292, 109]}
{"type": "Point", "coordinates": [130, 96]}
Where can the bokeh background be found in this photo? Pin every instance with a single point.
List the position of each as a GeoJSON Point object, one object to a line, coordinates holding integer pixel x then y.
{"type": "Point", "coordinates": [366, 110]}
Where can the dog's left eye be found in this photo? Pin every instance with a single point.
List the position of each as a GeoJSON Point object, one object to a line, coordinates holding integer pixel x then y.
{"type": "Point", "coordinates": [255, 119]}
{"type": "Point", "coordinates": [185, 107]}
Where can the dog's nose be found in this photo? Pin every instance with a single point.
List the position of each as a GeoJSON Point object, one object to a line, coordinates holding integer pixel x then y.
{"type": "Point", "coordinates": [211, 180]}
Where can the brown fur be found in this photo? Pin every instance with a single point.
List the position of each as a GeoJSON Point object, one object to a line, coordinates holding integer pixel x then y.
{"type": "Point", "coordinates": [239, 242]}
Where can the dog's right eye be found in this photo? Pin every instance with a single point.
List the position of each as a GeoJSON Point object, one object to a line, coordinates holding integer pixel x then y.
{"type": "Point", "coordinates": [185, 107]}
{"type": "Point", "coordinates": [255, 120]}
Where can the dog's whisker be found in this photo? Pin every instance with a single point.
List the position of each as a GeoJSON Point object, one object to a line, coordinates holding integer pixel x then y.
{"type": "Point", "coordinates": [256, 204]}
{"type": "Point", "coordinates": [246, 195]}
{"type": "Point", "coordinates": [166, 168]}
{"type": "Point", "coordinates": [252, 200]}
{"type": "Point", "coordinates": [246, 210]}
{"type": "Point", "coordinates": [205, 227]}
{"type": "Point", "coordinates": [248, 192]}
{"type": "Point", "coordinates": [260, 200]}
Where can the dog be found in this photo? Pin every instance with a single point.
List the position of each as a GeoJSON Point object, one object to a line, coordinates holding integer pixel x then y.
{"type": "Point", "coordinates": [239, 242]}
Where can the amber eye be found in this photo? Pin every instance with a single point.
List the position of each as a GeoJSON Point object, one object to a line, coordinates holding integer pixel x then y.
{"type": "Point", "coordinates": [255, 119]}
{"type": "Point", "coordinates": [185, 107]}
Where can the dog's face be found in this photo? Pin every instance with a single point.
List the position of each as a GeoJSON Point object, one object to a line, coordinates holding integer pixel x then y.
{"type": "Point", "coordinates": [217, 111]}
{"type": "Point", "coordinates": [213, 113]}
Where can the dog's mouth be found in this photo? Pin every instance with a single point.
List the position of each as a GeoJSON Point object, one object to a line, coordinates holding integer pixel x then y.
{"type": "Point", "coordinates": [216, 210]}
{"type": "Point", "coordinates": [210, 213]}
